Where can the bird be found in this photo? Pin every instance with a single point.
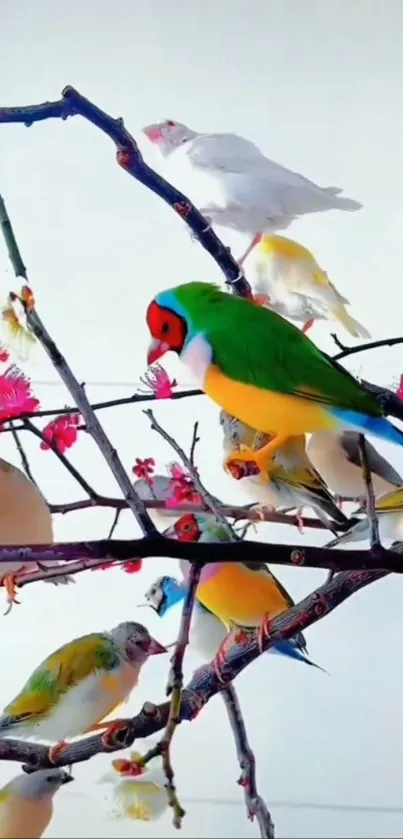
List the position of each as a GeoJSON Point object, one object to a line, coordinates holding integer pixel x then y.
{"type": "Point", "coordinates": [207, 631]}
{"type": "Point", "coordinates": [336, 456]}
{"type": "Point", "coordinates": [26, 803]}
{"type": "Point", "coordinates": [260, 368]}
{"type": "Point", "coordinates": [25, 519]}
{"type": "Point", "coordinates": [389, 512]}
{"type": "Point", "coordinates": [290, 480]}
{"type": "Point", "coordinates": [241, 594]}
{"type": "Point", "coordinates": [234, 185]}
{"type": "Point", "coordinates": [77, 686]}
{"type": "Point", "coordinates": [286, 277]}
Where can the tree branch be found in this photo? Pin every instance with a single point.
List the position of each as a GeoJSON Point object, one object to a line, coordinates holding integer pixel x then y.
{"type": "Point", "coordinates": [240, 650]}
{"type": "Point", "coordinates": [129, 158]}
{"type": "Point", "coordinates": [370, 345]}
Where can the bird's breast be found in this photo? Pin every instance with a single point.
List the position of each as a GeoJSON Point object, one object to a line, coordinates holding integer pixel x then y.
{"type": "Point", "coordinates": [263, 409]}
{"type": "Point", "coordinates": [239, 595]}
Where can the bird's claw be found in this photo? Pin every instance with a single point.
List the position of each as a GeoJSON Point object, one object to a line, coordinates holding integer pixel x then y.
{"type": "Point", "coordinates": [300, 520]}
{"type": "Point", "coordinates": [307, 325]}
{"type": "Point", "coordinates": [262, 510]}
{"type": "Point", "coordinates": [56, 751]}
{"type": "Point", "coordinates": [263, 632]}
{"type": "Point", "coordinates": [110, 737]}
{"type": "Point", "coordinates": [10, 584]}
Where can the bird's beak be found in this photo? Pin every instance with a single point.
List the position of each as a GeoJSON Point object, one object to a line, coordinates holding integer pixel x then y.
{"type": "Point", "coordinates": [156, 648]}
{"type": "Point", "coordinates": [67, 778]}
{"type": "Point", "coordinates": [153, 133]}
{"type": "Point", "coordinates": [156, 349]}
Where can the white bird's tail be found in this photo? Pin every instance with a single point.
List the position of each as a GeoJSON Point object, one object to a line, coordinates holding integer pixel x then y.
{"type": "Point", "coordinates": [345, 203]}
{"type": "Point", "coordinates": [350, 324]}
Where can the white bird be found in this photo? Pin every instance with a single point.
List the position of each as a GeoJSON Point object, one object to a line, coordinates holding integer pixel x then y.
{"type": "Point", "coordinates": [161, 489]}
{"type": "Point", "coordinates": [389, 512]}
{"type": "Point", "coordinates": [336, 456]}
{"type": "Point", "coordinates": [26, 803]}
{"type": "Point", "coordinates": [234, 185]}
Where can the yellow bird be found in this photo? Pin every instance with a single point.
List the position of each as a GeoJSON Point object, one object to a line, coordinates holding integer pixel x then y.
{"type": "Point", "coordinates": [289, 480]}
{"type": "Point", "coordinates": [389, 510]}
{"type": "Point", "coordinates": [286, 277]}
{"type": "Point", "coordinates": [26, 803]}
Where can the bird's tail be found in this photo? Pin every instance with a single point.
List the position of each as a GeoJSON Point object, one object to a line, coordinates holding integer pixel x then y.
{"type": "Point", "coordinates": [365, 424]}
{"type": "Point", "coordinates": [342, 203]}
{"type": "Point", "coordinates": [358, 533]}
{"type": "Point", "coordinates": [350, 324]}
{"type": "Point", "coordinates": [286, 649]}
{"type": "Point", "coordinates": [334, 190]}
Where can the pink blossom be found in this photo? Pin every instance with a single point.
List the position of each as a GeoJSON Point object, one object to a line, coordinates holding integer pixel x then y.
{"type": "Point", "coordinates": [144, 468]}
{"type": "Point", "coordinates": [183, 488]}
{"type": "Point", "coordinates": [157, 380]}
{"type": "Point", "coordinates": [131, 566]}
{"type": "Point", "coordinates": [4, 354]}
{"type": "Point", "coordinates": [15, 395]}
{"type": "Point", "coordinates": [61, 432]}
{"type": "Point", "coordinates": [399, 391]}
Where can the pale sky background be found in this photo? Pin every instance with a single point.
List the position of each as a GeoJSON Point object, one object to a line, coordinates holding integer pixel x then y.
{"type": "Point", "coordinates": [317, 85]}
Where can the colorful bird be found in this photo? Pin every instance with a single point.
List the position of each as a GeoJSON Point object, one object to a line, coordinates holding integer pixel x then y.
{"type": "Point", "coordinates": [240, 594]}
{"type": "Point", "coordinates": [286, 277]}
{"type": "Point", "coordinates": [234, 185]}
{"type": "Point", "coordinates": [337, 458]}
{"type": "Point", "coordinates": [389, 511]}
{"type": "Point", "coordinates": [26, 803]}
{"type": "Point", "coordinates": [290, 480]}
{"type": "Point", "coordinates": [25, 519]}
{"type": "Point", "coordinates": [207, 631]}
{"type": "Point", "coordinates": [260, 368]}
{"type": "Point", "coordinates": [78, 685]}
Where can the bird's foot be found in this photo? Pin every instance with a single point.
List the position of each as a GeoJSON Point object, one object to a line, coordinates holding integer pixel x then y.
{"type": "Point", "coordinates": [262, 510]}
{"type": "Point", "coordinates": [300, 520]}
{"type": "Point", "coordinates": [307, 325]}
{"type": "Point", "coordinates": [220, 660]}
{"type": "Point", "coordinates": [56, 751]}
{"type": "Point", "coordinates": [110, 737]}
{"type": "Point", "coordinates": [263, 631]}
{"type": "Point", "coordinates": [255, 241]}
{"type": "Point", "coordinates": [260, 457]}
{"type": "Point", "coordinates": [262, 299]}
{"type": "Point", "coordinates": [10, 584]}
{"type": "Point", "coordinates": [338, 501]}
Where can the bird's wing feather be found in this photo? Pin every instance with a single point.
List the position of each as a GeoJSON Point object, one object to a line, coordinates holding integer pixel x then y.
{"type": "Point", "coordinates": [61, 671]}
{"type": "Point", "coordinates": [256, 346]}
{"type": "Point", "coordinates": [231, 153]}
{"type": "Point", "coordinates": [378, 465]}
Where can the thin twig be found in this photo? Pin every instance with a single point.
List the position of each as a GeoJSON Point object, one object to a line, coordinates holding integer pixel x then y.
{"type": "Point", "coordinates": [114, 524]}
{"type": "Point", "coordinates": [195, 441]}
{"type": "Point", "coordinates": [22, 453]}
{"type": "Point", "coordinates": [371, 513]}
{"type": "Point", "coordinates": [83, 483]}
{"type": "Point", "coordinates": [246, 759]}
{"type": "Point", "coordinates": [370, 345]}
{"type": "Point", "coordinates": [203, 492]}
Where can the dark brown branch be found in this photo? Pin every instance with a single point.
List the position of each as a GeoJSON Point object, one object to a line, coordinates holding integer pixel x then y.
{"type": "Point", "coordinates": [370, 345]}
{"type": "Point", "coordinates": [240, 650]}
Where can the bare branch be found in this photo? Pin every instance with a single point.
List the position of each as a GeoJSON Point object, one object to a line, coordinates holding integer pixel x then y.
{"type": "Point", "coordinates": [370, 345]}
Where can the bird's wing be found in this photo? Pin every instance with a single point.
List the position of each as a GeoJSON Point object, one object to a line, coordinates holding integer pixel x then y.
{"type": "Point", "coordinates": [392, 502]}
{"type": "Point", "coordinates": [61, 671]}
{"type": "Point", "coordinates": [379, 465]}
{"type": "Point", "coordinates": [255, 346]}
{"type": "Point", "coordinates": [231, 153]}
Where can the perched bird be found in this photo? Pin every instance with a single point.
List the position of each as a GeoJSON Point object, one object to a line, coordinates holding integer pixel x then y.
{"type": "Point", "coordinates": [25, 519]}
{"type": "Point", "coordinates": [240, 594]}
{"type": "Point", "coordinates": [260, 368]}
{"type": "Point", "coordinates": [207, 631]}
{"type": "Point", "coordinates": [290, 479]}
{"type": "Point", "coordinates": [234, 185]}
{"type": "Point", "coordinates": [286, 277]}
{"type": "Point", "coordinates": [26, 803]}
{"type": "Point", "coordinates": [389, 511]}
{"type": "Point", "coordinates": [161, 490]}
{"type": "Point", "coordinates": [336, 455]}
{"type": "Point", "coordinates": [78, 685]}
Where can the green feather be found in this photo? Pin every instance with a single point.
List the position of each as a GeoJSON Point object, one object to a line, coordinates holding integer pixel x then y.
{"type": "Point", "coordinates": [256, 346]}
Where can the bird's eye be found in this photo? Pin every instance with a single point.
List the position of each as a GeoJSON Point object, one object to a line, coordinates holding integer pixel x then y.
{"type": "Point", "coordinates": [49, 779]}
{"type": "Point", "coordinates": [186, 528]}
{"type": "Point", "coordinates": [171, 123]}
{"type": "Point", "coordinates": [165, 328]}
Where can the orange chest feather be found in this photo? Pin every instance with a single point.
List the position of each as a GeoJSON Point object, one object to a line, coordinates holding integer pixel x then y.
{"type": "Point", "coordinates": [237, 594]}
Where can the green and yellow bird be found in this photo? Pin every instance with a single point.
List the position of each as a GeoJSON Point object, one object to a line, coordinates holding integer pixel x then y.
{"type": "Point", "coordinates": [260, 368]}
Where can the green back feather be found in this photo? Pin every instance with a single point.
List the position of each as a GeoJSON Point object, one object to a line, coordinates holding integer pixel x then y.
{"type": "Point", "coordinates": [257, 346]}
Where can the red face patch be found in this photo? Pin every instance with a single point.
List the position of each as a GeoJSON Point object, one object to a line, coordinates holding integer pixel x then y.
{"type": "Point", "coordinates": [166, 326]}
{"type": "Point", "coordinates": [187, 528]}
